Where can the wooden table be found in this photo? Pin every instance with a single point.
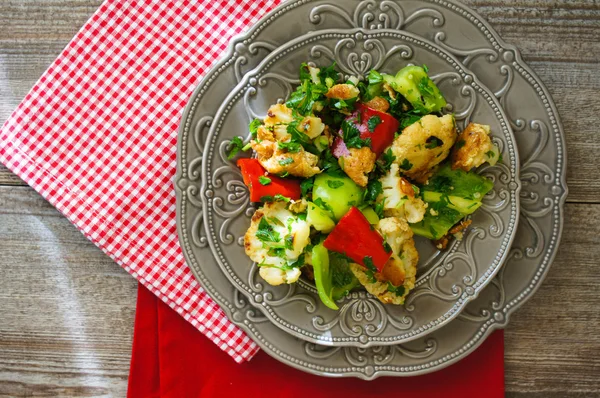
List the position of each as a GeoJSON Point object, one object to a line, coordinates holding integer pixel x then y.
{"type": "Point", "coordinates": [66, 309]}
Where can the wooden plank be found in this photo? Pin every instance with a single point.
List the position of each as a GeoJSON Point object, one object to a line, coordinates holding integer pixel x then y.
{"type": "Point", "coordinates": [552, 344]}
{"type": "Point", "coordinates": [67, 309]}
{"type": "Point", "coordinates": [557, 38]}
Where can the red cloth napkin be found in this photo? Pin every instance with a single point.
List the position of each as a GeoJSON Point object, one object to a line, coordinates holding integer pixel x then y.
{"type": "Point", "coordinates": [171, 359]}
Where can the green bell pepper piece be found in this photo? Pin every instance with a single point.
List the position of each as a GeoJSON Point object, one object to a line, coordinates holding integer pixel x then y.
{"type": "Point", "coordinates": [414, 85]}
{"type": "Point", "coordinates": [320, 263]}
{"type": "Point", "coordinates": [336, 194]}
{"type": "Point", "coordinates": [319, 218]}
{"type": "Point", "coordinates": [370, 215]}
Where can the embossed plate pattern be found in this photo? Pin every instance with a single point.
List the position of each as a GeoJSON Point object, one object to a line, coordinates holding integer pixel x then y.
{"type": "Point", "coordinates": [540, 143]}
{"type": "Point", "coordinates": [447, 280]}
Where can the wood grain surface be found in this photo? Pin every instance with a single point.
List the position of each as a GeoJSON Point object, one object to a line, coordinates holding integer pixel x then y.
{"type": "Point", "coordinates": [66, 310]}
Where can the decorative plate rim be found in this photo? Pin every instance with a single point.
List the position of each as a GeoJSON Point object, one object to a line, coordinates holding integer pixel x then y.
{"type": "Point", "coordinates": [486, 328]}
{"type": "Point", "coordinates": [454, 307]}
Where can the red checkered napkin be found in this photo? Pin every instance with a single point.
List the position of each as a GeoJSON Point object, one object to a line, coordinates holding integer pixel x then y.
{"type": "Point", "coordinates": [97, 134]}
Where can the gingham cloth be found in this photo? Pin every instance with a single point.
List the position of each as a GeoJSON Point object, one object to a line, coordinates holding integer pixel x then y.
{"type": "Point", "coordinates": [96, 136]}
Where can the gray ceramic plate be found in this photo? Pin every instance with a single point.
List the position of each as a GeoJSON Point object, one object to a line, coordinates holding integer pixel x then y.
{"type": "Point", "coordinates": [446, 280]}
{"type": "Point", "coordinates": [540, 143]}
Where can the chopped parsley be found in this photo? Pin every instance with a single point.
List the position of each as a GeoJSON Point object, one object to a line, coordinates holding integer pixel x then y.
{"type": "Point", "coordinates": [386, 160]}
{"type": "Point", "coordinates": [379, 208]}
{"type": "Point", "coordinates": [490, 154]}
{"type": "Point", "coordinates": [307, 185]}
{"type": "Point", "coordinates": [374, 189]}
{"type": "Point", "coordinates": [290, 147]}
{"type": "Point", "coordinates": [331, 165]}
{"type": "Point", "coordinates": [387, 247]}
{"type": "Point", "coordinates": [460, 144]}
{"type": "Point", "coordinates": [279, 197]}
{"type": "Point", "coordinates": [286, 161]}
{"type": "Point", "coordinates": [425, 88]}
{"type": "Point", "coordinates": [235, 146]}
{"type": "Point", "coordinates": [406, 165]}
{"type": "Point", "coordinates": [433, 142]}
{"type": "Point", "coordinates": [351, 136]}
{"type": "Point", "coordinates": [277, 252]}
{"type": "Point", "coordinates": [425, 68]}
{"type": "Point", "coordinates": [371, 269]}
{"type": "Point", "coordinates": [266, 233]}
{"type": "Point", "coordinates": [398, 290]}
{"type": "Point", "coordinates": [254, 125]}
{"type": "Point", "coordinates": [319, 202]}
{"type": "Point", "coordinates": [264, 180]}
{"type": "Point", "coordinates": [373, 122]}
{"type": "Point", "coordinates": [374, 77]}
{"type": "Point", "coordinates": [270, 198]}
{"type": "Point", "coordinates": [289, 242]}
{"type": "Point", "coordinates": [409, 118]}
{"type": "Point", "coordinates": [334, 184]}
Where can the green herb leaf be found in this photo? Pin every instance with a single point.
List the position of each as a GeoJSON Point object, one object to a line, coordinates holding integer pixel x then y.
{"type": "Point", "coordinates": [289, 242]}
{"type": "Point", "coordinates": [264, 180]}
{"type": "Point", "coordinates": [371, 269]}
{"type": "Point", "coordinates": [286, 161]}
{"type": "Point", "coordinates": [433, 142]}
{"type": "Point", "coordinates": [373, 122]}
{"type": "Point", "coordinates": [334, 184]}
{"type": "Point", "coordinates": [351, 136]}
{"type": "Point", "coordinates": [374, 77]}
{"type": "Point", "coordinates": [254, 125]}
{"type": "Point", "coordinates": [406, 165]}
{"type": "Point", "coordinates": [490, 154]}
{"type": "Point", "coordinates": [319, 202]}
{"type": "Point", "coordinates": [386, 160]}
{"type": "Point", "coordinates": [374, 189]}
{"type": "Point", "coordinates": [307, 185]}
{"type": "Point", "coordinates": [387, 247]}
{"type": "Point", "coordinates": [290, 147]}
{"type": "Point", "coordinates": [425, 68]}
{"type": "Point", "coordinates": [459, 144]}
{"type": "Point", "coordinates": [398, 290]}
{"type": "Point", "coordinates": [266, 233]}
{"type": "Point", "coordinates": [331, 166]}
{"type": "Point", "coordinates": [279, 197]}
{"type": "Point", "coordinates": [368, 260]}
{"type": "Point", "coordinates": [235, 146]}
{"type": "Point", "coordinates": [267, 198]}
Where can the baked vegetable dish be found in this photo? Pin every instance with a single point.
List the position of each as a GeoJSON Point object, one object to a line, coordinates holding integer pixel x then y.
{"type": "Point", "coordinates": [348, 172]}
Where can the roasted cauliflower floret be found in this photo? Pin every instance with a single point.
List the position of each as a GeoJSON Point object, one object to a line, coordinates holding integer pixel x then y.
{"type": "Point", "coordinates": [271, 138]}
{"type": "Point", "coordinates": [423, 145]}
{"type": "Point", "coordinates": [275, 240]}
{"type": "Point", "coordinates": [378, 103]}
{"type": "Point", "coordinates": [358, 164]}
{"type": "Point", "coordinates": [312, 126]}
{"type": "Point", "coordinates": [474, 147]}
{"type": "Point", "coordinates": [398, 275]}
{"type": "Point", "coordinates": [343, 91]}
{"type": "Point", "coordinates": [399, 199]}
{"type": "Point", "coordinates": [277, 276]}
{"type": "Point", "coordinates": [278, 117]}
{"type": "Point", "coordinates": [299, 164]}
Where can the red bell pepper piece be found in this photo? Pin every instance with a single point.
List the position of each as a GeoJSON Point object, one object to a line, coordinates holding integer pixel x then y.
{"type": "Point", "coordinates": [383, 134]}
{"type": "Point", "coordinates": [353, 237]}
{"type": "Point", "coordinates": [252, 171]}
